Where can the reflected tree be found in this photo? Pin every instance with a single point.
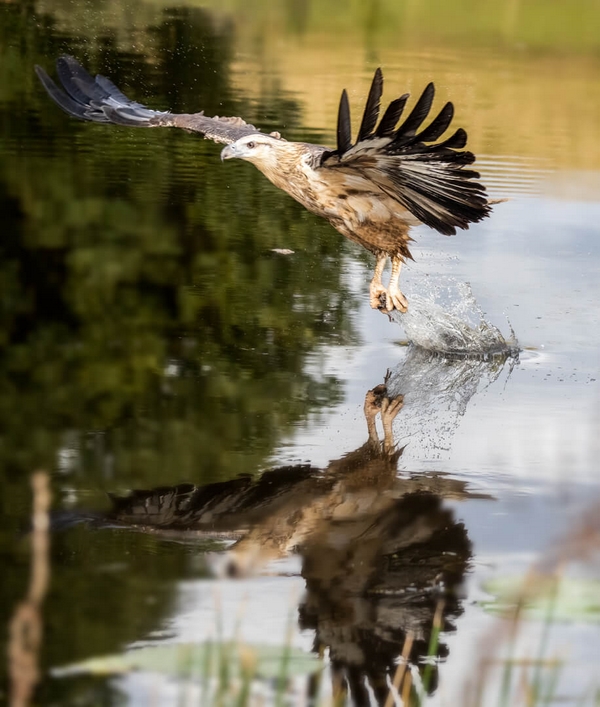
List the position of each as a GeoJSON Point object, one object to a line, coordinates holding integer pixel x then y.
{"type": "Point", "coordinates": [129, 256]}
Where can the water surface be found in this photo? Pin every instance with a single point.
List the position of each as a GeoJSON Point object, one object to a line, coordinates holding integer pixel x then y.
{"type": "Point", "coordinates": [151, 336]}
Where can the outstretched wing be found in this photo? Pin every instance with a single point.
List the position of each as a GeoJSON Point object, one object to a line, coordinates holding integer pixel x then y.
{"type": "Point", "coordinates": [100, 101]}
{"type": "Point", "coordinates": [427, 177]}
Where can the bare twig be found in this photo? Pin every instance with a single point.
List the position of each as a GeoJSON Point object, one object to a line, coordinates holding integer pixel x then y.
{"type": "Point", "coordinates": [25, 632]}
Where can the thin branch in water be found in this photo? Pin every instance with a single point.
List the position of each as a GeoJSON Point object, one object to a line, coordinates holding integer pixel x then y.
{"type": "Point", "coordinates": [25, 630]}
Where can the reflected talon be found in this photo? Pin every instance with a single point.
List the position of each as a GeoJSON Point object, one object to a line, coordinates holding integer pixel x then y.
{"type": "Point", "coordinates": [377, 402]}
{"type": "Point", "coordinates": [392, 406]}
{"type": "Point", "coordinates": [372, 404]}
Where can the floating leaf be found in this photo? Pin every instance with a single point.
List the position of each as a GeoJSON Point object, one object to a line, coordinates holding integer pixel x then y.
{"type": "Point", "coordinates": [572, 599]}
{"type": "Point", "coordinates": [201, 660]}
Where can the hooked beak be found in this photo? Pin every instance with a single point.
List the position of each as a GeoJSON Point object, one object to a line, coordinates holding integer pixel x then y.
{"type": "Point", "coordinates": [228, 152]}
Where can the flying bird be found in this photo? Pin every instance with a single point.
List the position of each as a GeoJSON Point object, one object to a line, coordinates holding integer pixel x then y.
{"type": "Point", "coordinates": [394, 176]}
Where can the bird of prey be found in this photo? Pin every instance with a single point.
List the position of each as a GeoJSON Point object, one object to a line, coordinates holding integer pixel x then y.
{"type": "Point", "coordinates": [371, 190]}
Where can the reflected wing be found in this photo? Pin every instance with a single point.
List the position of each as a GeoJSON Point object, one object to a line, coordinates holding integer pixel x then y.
{"type": "Point", "coordinates": [427, 177]}
{"type": "Point", "coordinates": [100, 101]}
{"type": "Point", "coordinates": [224, 505]}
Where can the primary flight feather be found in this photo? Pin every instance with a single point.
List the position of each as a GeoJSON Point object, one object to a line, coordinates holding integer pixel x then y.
{"type": "Point", "coordinates": [372, 191]}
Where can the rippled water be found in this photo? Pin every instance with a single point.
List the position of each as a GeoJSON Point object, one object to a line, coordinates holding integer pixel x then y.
{"type": "Point", "coordinates": [175, 324]}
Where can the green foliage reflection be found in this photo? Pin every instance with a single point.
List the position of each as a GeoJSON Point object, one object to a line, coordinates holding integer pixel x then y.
{"type": "Point", "coordinates": [142, 298]}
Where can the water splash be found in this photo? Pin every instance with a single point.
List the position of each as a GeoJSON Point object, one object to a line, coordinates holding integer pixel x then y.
{"type": "Point", "coordinates": [444, 317]}
{"type": "Point", "coordinates": [437, 390]}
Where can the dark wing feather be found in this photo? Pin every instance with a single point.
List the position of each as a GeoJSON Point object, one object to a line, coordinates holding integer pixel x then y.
{"type": "Point", "coordinates": [220, 506]}
{"type": "Point", "coordinates": [391, 117]}
{"type": "Point", "coordinates": [427, 178]}
{"type": "Point", "coordinates": [98, 100]}
{"type": "Point", "coordinates": [456, 142]}
{"type": "Point", "coordinates": [344, 134]}
{"type": "Point", "coordinates": [71, 75]}
{"type": "Point", "coordinates": [438, 125]}
{"type": "Point", "coordinates": [62, 99]}
{"type": "Point", "coordinates": [371, 113]}
{"type": "Point", "coordinates": [416, 117]}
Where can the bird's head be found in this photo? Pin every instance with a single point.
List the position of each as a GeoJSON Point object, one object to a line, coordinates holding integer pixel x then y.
{"type": "Point", "coordinates": [259, 149]}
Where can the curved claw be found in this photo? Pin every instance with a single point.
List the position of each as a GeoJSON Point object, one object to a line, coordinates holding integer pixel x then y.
{"type": "Point", "coordinates": [390, 407]}
{"type": "Point", "coordinates": [386, 300]}
{"type": "Point", "coordinates": [377, 296]}
{"type": "Point", "coordinates": [395, 300]}
{"type": "Point", "coordinates": [390, 298]}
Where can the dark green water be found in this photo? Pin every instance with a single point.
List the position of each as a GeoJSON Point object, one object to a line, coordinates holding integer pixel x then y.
{"type": "Point", "coordinates": [150, 334]}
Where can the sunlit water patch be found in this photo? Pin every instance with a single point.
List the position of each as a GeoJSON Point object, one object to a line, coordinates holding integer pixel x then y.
{"type": "Point", "coordinates": [511, 177]}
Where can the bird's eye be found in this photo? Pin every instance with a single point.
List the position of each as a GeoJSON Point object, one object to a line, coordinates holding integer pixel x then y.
{"type": "Point", "coordinates": [250, 145]}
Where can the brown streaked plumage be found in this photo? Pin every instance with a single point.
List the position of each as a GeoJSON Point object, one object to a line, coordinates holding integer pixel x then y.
{"type": "Point", "coordinates": [372, 191]}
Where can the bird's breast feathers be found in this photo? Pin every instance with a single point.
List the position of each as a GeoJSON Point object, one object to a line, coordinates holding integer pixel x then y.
{"type": "Point", "coordinates": [354, 202]}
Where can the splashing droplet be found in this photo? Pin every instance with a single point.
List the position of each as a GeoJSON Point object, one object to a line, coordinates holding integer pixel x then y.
{"type": "Point", "coordinates": [445, 317]}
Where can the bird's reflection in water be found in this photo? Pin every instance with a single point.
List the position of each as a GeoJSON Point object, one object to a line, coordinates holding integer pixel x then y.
{"type": "Point", "coordinates": [376, 573]}
{"type": "Point", "coordinates": [380, 551]}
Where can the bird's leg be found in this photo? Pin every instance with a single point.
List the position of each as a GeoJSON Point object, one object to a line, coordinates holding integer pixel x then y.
{"type": "Point", "coordinates": [372, 409]}
{"type": "Point", "coordinates": [376, 288]}
{"type": "Point", "coordinates": [377, 401]}
{"type": "Point", "coordinates": [390, 407]}
{"type": "Point", "coordinates": [394, 298]}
